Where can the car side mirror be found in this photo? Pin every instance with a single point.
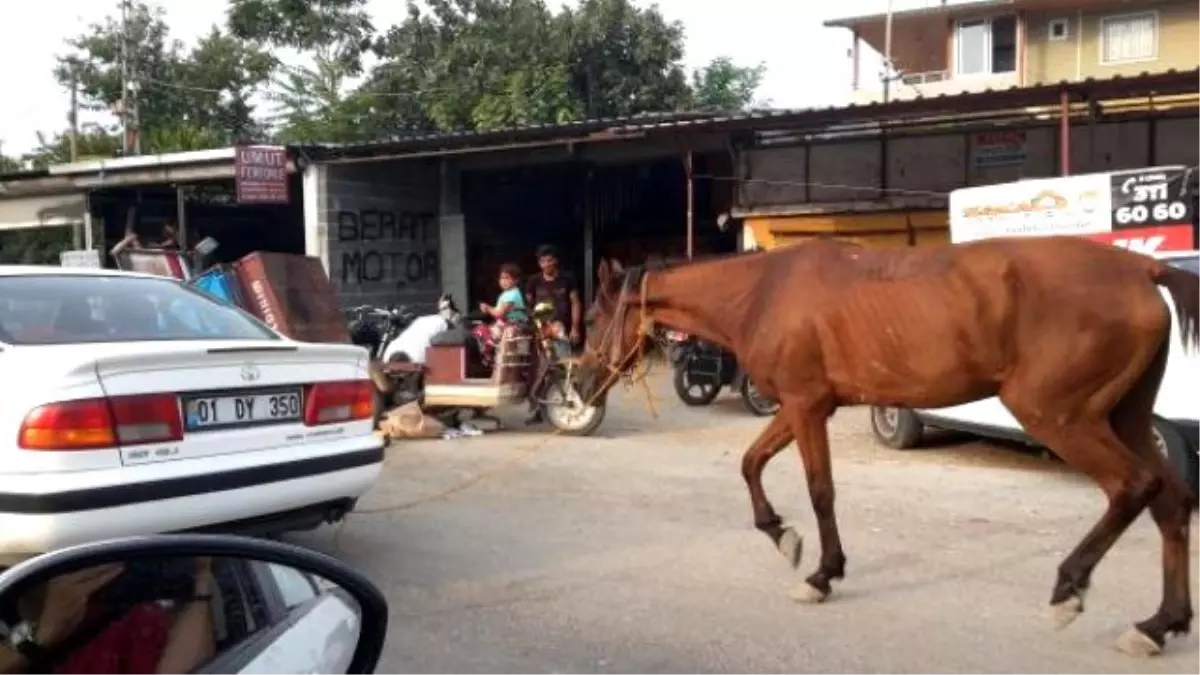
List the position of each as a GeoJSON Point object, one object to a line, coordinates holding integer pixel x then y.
{"type": "Point", "coordinates": [189, 603]}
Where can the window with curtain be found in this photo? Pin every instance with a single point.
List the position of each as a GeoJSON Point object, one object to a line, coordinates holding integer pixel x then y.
{"type": "Point", "coordinates": [1129, 37]}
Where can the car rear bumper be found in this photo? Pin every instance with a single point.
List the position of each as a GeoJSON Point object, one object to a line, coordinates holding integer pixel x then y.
{"type": "Point", "coordinates": [34, 521]}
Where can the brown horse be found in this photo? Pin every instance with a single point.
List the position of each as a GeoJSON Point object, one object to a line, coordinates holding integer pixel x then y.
{"type": "Point", "coordinates": [1072, 335]}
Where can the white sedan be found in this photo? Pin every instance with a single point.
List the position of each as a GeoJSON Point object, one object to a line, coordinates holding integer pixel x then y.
{"type": "Point", "coordinates": [133, 404]}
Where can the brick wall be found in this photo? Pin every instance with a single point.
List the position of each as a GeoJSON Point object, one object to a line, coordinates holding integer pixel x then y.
{"type": "Point", "coordinates": [376, 227]}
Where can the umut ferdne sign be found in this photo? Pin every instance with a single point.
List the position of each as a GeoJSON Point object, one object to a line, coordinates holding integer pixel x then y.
{"type": "Point", "coordinates": [260, 174]}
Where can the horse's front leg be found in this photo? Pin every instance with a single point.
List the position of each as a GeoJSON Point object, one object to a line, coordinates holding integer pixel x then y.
{"type": "Point", "coordinates": [773, 438]}
{"type": "Point", "coordinates": [808, 425]}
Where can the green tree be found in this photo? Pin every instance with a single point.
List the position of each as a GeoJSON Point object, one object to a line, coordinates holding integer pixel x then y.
{"type": "Point", "coordinates": [725, 86]}
{"type": "Point", "coordinates": [8, 164]}
{"type": "Point", "coordinates": [342, 29]}
{"type": "Point", "coordinates": [314, 104]}
{"type": "Point", "coordinates": [207, 88]}
{"type": "Point", "coordinates": [624, 60]}
{"type": "Point", "coordinates": [488, 64]}
{"type": "Point", "coordinates": [92, 142]}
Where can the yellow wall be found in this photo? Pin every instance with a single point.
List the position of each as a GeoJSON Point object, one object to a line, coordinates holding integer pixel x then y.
{"type": "Point", "coordinates": [1078, 56]}
{"type": "Point", "coordinates": [872, 229]}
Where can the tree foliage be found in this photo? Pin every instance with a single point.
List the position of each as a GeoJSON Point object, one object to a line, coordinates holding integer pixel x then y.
{"type": "Point", "coordinates": [92, 142]}
{"type": "Point", "coordinates": [488, 64]}
{"type": "Point", "coordinates": [725, 86]}
{"type": "Point", "coordinates": [448, 65]}
{"type": "Point", "coordinates": [314, 104]}
{"type": "Point", "coordinates": [199, 97]}
{"type": "Point", "coordinates": [340, 29]}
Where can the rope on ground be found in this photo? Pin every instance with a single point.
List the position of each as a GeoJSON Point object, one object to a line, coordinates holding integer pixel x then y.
{"type": "Point", "coordinates": [642, 370]}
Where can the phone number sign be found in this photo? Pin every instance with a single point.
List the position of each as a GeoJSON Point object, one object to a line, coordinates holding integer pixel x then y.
{"type": "Point", "coordinates": [1158, 197]}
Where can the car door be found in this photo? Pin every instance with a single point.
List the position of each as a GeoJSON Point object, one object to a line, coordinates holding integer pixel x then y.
{"type": "Point", "coordinates": [987, 413]}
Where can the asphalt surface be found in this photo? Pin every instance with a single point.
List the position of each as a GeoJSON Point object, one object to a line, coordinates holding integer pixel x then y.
{"type": "Point", "coordinates": [633, 551]}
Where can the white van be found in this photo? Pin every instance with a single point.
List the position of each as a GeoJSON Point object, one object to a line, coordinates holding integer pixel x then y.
{"type": "Point", "coordinates": [1148, 210]}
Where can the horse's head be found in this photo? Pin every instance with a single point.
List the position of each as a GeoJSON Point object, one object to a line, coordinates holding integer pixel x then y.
{"type": "Point", "coordinates": [616, 329]}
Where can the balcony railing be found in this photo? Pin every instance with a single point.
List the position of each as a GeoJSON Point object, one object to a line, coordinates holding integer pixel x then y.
{"type": "Point", "coordinates": [934, 83]}
{"type": "Point", "coordinates": [924, 78]}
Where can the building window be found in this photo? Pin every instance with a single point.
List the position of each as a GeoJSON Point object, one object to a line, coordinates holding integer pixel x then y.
{"type": "Point", "coordinates": [1129, 37]}
{"type": "Point", "coordinates": [1059, 29]}
{"type": "Point", "coordinates": [986, 46]}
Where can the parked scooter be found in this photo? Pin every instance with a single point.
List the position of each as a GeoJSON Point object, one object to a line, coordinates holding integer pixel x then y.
{"type": "Point", "coordinates": [374, 328]}
{"type": "Point", "coordinates": [702, 369]}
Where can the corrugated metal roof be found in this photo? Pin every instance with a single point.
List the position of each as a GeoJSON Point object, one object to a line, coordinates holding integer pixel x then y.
{"type": "Point", "coordinates": [1171, 81]}
{"type": "Point", "coordinates": [643, 120]}
{"type": "Point", "coordinates": [908, 12]}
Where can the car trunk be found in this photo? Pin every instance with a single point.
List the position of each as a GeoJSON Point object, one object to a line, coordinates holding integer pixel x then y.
{"type": "Point", "coordinates": [233, 396]}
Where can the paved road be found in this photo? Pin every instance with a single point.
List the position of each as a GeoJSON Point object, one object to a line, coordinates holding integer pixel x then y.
{"type": "Point", "coordinates": [634, 552]}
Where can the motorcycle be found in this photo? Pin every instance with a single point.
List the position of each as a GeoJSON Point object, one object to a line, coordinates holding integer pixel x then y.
{"type": "Point", "coordinates": [702, 369]}
{"type": "Point", "coordinates": [375, 329]}
{"type": "Point", "coordinates": [447, 363]}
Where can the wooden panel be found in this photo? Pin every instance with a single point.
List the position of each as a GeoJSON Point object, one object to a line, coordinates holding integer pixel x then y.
{"type": "Point", "coordinates": [445, 365]}
{"type": "Point", "coordinates": [896, 228]}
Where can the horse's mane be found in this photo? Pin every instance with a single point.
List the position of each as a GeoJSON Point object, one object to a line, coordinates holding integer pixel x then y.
{"type": "Point", "coordinates": [632, 276]}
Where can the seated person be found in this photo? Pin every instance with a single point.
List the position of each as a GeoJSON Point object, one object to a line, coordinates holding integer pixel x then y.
{"type": "Point", "coordinates": [510, 306]}
{"type": "Point", "coordinates": [61, 627]}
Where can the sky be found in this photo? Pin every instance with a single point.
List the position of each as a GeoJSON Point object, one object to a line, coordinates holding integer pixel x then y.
{"type": "Point", "coordinates": [807, 64]}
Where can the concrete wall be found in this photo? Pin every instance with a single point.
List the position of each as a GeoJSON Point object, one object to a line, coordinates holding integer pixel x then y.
{"type": "Point", "coordinates": [376, 227]}
{"type": "Point", "coordinates": [933, 165]}
{"type": "Point", "coordinates": [1078, 56]}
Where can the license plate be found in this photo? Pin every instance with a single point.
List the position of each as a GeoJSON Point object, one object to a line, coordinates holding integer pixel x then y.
{"type": "Point", "coordinates": [676, 336]}
{"type": "Point", "coordinates": [222, 411]}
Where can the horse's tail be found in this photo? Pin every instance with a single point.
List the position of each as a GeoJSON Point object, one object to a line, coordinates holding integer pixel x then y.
{"type": "Point", "coordinates": [1184, 288]}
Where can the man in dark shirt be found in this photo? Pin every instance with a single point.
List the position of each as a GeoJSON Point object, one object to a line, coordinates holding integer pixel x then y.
{"type": "Point", "coordinates": [558, 287]}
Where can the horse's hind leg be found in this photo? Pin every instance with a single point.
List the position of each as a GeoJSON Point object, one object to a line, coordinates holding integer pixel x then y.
{"type": "Point", "coordinates": [1091, 447]}
{"type": "Point", "coordinates": [773, 438]}
{"type": "Point", "coordinates": [1171, 509]}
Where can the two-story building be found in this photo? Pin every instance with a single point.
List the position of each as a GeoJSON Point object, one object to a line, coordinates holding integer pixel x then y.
{"type": "Point", "coordinates": [996, 44]}
{"type": "Point", "coordinates": [1026, 89]}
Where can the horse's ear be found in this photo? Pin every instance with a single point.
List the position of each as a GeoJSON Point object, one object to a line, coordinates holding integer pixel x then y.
{"type": "Point", "coordinates": [604, 274]}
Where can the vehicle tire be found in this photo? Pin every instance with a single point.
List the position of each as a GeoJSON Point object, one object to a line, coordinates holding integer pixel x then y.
{"type": "Point", "coordinates": [693, 393]}
{"type": "Point", "coordinates": [897, 428]}
{"type": "Point", "coordinates": [755, 402]}
{"type": "Point", "coordinates": [571, 417]}
{"type": "Point", "coordinates": [1179, 456]}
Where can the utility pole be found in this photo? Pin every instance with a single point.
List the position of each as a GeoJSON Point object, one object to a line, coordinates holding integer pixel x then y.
{"type": "Point", "coordinates": [130, 119]}
{"type": "Point", "coordinates": [124, 112]}
{"type": "Point", "coordinates": [887, 55]}
{"type": "Point", "coordinates": [73, 116]}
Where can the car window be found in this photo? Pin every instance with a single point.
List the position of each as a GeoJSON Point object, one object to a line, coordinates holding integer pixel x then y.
{"type": "Point", "coordinates": [71, 309]}
{"type": "Point", "coordinates": [294, 587]}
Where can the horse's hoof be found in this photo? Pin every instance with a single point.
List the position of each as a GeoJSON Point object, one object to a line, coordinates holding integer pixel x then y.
{"type": "Point", "coordinates": [1136, 643]}
{"type": "Point", "coordinates": [791, 545]}
{"type": "Point", "coordinates": [807, 594]}
{"type": "Point", "coordinates": [1065, 612]}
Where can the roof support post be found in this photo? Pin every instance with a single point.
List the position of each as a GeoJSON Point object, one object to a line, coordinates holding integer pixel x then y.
{"type": "Point", "coordinates": [1064, 133]}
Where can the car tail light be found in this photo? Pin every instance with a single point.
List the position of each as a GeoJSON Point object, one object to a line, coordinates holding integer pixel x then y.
{"type": "Point", "coordinates": [95, 423]}
{"type": "Point", "coordinates": [330, 402]}
{"type": "Point", "coordinates": [147, 419]}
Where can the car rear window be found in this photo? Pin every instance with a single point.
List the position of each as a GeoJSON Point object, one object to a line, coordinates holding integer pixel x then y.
{"type": "Point", "coordinates": [74, 309]}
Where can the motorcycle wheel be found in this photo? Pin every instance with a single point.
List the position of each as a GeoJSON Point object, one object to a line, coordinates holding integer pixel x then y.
{"type": "Point", "coordinates": [755, 401]}
{"type": "Point", "coordinates": [570, 416]}
{"type": "Point", "coordinates": [693, 393]}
